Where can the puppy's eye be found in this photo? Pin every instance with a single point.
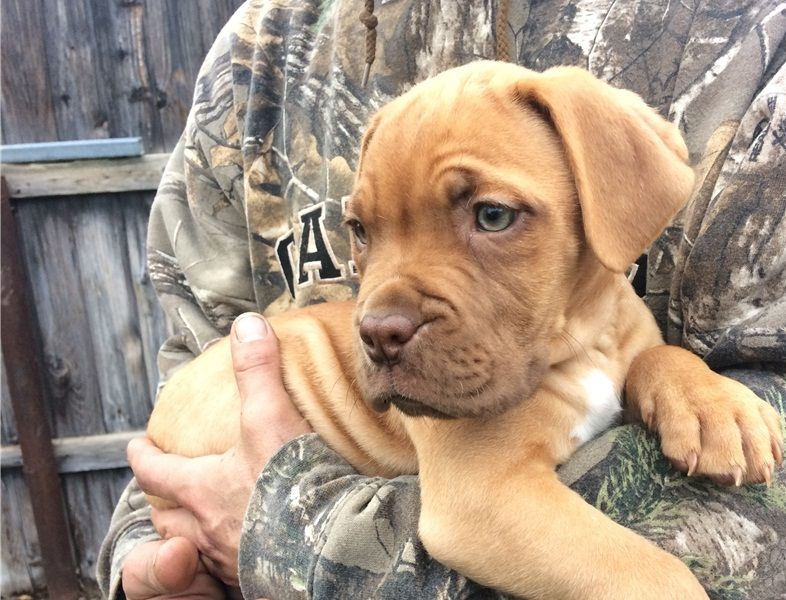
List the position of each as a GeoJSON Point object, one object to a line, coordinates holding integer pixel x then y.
{"type": "Point", "coordinates": [494, 217]}
{"type": "Point", "coordinates": [358, 231]}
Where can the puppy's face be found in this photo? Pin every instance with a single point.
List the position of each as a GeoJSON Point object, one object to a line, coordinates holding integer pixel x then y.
{"type": "Point", "coordinates": [466, 235]}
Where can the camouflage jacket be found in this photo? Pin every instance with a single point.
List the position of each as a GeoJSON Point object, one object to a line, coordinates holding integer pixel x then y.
{"type": "Point", "coordinates": [247, 218]}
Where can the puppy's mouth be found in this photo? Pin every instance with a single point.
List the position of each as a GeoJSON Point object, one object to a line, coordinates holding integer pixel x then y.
{"type": "Point", "coordinates": [419, 395]}
{"type": "Point", "coordinates": [409, 406]}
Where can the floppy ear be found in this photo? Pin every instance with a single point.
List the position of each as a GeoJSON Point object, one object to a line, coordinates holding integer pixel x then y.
{"type": "Point", "coordinates": [629, 164]}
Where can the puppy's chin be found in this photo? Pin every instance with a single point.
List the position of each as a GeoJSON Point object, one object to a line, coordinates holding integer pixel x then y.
{"type": "Point", "coordinates": [422, 396]}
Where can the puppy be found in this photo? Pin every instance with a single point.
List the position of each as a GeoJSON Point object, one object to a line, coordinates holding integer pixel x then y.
{"type": "Point", "coordinates": [493, 214]}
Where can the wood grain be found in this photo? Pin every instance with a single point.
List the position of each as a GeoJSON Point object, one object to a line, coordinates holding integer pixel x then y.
{"type": "Point", "coordinates": [27, 102]}
{"type": "Point", "coordinates": [21, 556]}
{"type": "Point", "coordinates": [92, 498]}
{"type": "Point", "coordinates": [103, 69]}
{"type": "Point", "coordinates": [41, 180]}
{"type": "Point", "coordinates": [101, 327]}
{"type": "Point", "coordinates": [82, 109]}
{"type": "Point", "coordinates": [89, 299]}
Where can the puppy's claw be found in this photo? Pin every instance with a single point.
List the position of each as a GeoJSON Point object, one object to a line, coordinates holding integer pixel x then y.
{"type": "Point", "coordinates": [768, 474]}
{"type": "Point", "coordinates": [737, 471]}
{"type": "Point", "coordinates": [777, 452]}
{"type": "Point", "coordinates": [693, 461]}
{"type": "Point", "coordinates": [648, 417]}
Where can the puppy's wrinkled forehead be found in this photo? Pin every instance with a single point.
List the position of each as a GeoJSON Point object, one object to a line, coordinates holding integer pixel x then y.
{"type": "Point", "coordinates": [432, 146]}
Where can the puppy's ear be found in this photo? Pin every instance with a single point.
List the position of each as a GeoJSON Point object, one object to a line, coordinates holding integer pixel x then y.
{"type": "Point", "coordinates": [629, 164]}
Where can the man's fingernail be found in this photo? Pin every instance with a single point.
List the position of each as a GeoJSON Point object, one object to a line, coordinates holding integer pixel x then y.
{"type": "Point", "coordinates": [250, 327]}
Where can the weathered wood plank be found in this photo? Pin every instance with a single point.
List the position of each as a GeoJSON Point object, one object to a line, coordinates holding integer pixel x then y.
{"type": "Point", "coordinates": [78, 242]}
{"type": "Point", "coordinates": [171, 68]}
{"type": "Point", "coordinates": [125, 67]}
{"type": "Point", "coordinates": [88, 309]}
{"type": "Point", "coordinates": [27, 100]}
{"type": "Point", "coordinates": [91, 499]}
{"type": "Point", "coordinates": [81, 453]}
{"type": "Point", "coordinates": [22, 569]}
{"type": "Point", "coordinates": [21, 353]}
{"type": "Point", "coordinates": [112, 306]}
{"type": "Point", "coordinates": [84, 106]}
{"type": "Point", "coordinates": [79, 177]}
{"type": "Point", "coordinates": [50, 239]}
{"type": "Point", "coordinates": [103, 69]}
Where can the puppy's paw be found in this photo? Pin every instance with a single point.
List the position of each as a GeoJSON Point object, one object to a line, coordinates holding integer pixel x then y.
{"type": "Point", "coordinates": [714, 426]}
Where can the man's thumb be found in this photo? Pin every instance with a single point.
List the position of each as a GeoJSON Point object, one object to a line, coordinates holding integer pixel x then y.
{"type": "Point", "coordinates": [269, 418]}
{"type": "Point", "coordinates": [255, 356]}
{"type": "Point", "coordinates": [160, 568]}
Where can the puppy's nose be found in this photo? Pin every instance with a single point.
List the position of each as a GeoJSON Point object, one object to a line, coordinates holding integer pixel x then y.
{"type": "Point", "coordinates": [384, 336]}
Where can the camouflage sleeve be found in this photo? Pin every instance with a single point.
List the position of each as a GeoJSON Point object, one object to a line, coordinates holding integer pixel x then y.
{"type": "Point", "coordinates": [198, 261]}
{"type": "Point", "coordinates": [316, 529]}
{"type": "Point", "coordinates": [130, 526]}
{"type": "Point", "coordinates": [727, 300]}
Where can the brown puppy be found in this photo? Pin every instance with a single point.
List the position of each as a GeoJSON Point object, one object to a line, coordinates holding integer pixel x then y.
{"type": "Point", "coordinates": [494, 212]}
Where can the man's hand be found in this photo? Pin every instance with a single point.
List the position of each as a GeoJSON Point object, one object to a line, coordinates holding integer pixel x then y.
{"type": "Point", "coordinates": [165, 569]}
{"type": "Point", "coordinates": [213, 491]}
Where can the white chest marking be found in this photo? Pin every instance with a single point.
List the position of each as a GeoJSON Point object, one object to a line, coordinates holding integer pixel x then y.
{"type": "Point", "coordinates": [603, 406]}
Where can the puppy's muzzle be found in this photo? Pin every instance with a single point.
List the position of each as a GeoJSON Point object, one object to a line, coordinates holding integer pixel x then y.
{"type": "Point", "coordinates": [385, 335]}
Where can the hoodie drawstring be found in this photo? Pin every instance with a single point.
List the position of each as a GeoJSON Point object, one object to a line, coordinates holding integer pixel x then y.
{"type": "Point", "coordinates": [501, 31]}
{"type": "Point", "coordinates": [370, 21]}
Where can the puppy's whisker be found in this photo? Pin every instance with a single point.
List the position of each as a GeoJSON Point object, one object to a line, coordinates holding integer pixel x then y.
{"type": "Point", "coordinates": [583, 349]}
{"type": "Point", "coordinates": [568, 343]}
{"type": "Point", "coordinates": [346, 395]}
{"type": "Point", "coordinates": [351, 385]}
{"type": "Point", "coordinates": [335, 383]}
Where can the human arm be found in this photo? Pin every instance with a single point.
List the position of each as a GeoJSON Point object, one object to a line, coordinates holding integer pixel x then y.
{"type": "Point", "coordinates": [315, 528]}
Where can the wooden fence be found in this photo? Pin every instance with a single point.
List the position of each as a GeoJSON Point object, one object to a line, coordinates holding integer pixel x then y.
{"type": "Point", "coordinates": [87, 69]}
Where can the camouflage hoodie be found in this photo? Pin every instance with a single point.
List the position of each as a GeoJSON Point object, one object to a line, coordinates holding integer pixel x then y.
{"type": "Point", "coordinates": [247, 218]}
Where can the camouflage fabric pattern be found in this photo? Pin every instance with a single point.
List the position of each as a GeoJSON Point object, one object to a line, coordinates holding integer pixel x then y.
{"type": "Point", "coordinates": [300, 539]}
{"type": "Point", "coordinates": [247, 218]}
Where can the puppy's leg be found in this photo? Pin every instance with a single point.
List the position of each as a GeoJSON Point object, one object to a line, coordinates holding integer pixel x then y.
{"type": "Point", "coordinates": [709, 424]}
{"type": "Point", "coordinates": [538, 539]}
{"type": "Point", "coordinates": [493, 509]}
